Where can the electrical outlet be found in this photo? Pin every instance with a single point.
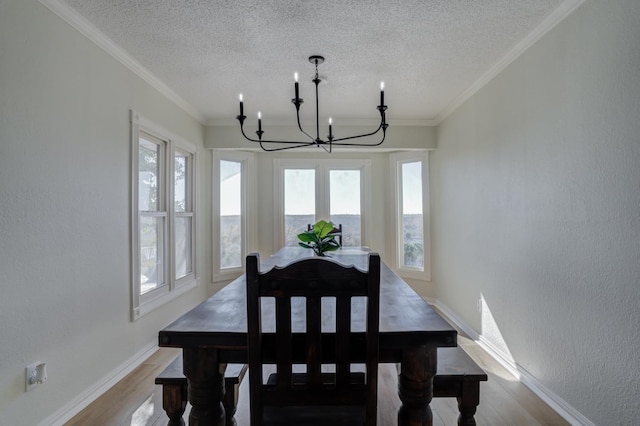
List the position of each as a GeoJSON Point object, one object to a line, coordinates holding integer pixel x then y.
{"type": "Point", "coordinates": [35, 374]}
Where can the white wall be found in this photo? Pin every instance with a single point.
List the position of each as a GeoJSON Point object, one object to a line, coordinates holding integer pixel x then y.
{"type": "Point", "coordinates": [536, 209]}
{"type": "Point", "coordinates": [64, 211]}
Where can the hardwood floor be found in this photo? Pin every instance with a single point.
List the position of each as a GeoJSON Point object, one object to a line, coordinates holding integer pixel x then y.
{"type": "Point", "coordinates": [136, 400]}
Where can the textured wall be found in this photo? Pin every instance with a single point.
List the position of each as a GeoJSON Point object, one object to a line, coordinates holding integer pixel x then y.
{"type": "Point", "coordinates": [536, 209]}
{"type": "Point", "coordinates": [64, 211]}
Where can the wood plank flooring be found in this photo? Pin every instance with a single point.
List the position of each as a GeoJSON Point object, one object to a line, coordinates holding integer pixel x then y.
{"type": "Point", "coordinates": [137, 401]}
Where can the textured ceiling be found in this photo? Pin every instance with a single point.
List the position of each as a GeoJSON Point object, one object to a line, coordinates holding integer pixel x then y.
{"type": "Point", "coordinates": [428, 52]}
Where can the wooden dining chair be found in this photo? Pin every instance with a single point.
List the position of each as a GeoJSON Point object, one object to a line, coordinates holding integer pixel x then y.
{"type": "Point", "coordinates": [323, 316]}
{"type": "Point", "coordinates": [337, 231]}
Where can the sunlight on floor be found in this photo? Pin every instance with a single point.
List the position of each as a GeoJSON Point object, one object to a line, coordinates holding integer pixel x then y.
{"type": "Point", "coordinates": [142, 415]}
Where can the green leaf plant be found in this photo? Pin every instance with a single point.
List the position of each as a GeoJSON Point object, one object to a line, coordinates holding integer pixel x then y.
{"type": "Point", "coordinates": [320, 239]}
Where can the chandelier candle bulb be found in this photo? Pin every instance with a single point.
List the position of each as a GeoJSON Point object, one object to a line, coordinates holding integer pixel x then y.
{"type": "Point", "coordinates": [295, 76]}
{"type": "Point", "coordinates": [241, 104]}
{"type": "Point", "coordinates": [330, 131]}
{"type": "Point", "coordinates": [259, 121]}
{"type": "Point", "coordinates": [382, 93]}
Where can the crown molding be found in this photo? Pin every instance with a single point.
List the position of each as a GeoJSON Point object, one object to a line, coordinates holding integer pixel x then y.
{"type": "Point", "coordinates": [553, 19]}
{"type": "Point", "coordinates": [82, 25]}
{"type": "Point", "coordinates": [77, 21]}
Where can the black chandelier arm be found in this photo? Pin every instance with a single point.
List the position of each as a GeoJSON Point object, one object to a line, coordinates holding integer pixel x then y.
{"type": "Point", "coordinates": [383, 125]}
{"type": "Point", "coordinates": [312, 142]}
{"type": "Point", "coordinates": [300, 126]}
{"type": "Point", "coordinates": [261, 141]}
{"type": "Point", "coordinates": [346, 138]}
{"type": "Point", "coordinates": [300, 145]}
{"type": "Point", "coordinates": [384, 135]}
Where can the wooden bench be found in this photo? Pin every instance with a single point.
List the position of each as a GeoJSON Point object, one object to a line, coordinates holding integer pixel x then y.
{"type": "Point", "coordinates": [459, 376]}
{"type": "Point", "coordinates": [174, 391]}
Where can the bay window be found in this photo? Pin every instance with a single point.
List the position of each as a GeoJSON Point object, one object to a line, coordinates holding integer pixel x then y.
{"type": "Point", "coordinates": [233, 227]}
{"type": "Point", "coordinates": [411, 219]}
{"type": "Point", "coordinates": [309, 190]}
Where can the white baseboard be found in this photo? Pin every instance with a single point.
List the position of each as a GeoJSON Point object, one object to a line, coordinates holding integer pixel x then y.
{"type": "Point", "coordinates": [564, 409]}
{"type": "Point", "coordinates": [73, 407]}
{"type": "Point", "coordinates": [569, 413]}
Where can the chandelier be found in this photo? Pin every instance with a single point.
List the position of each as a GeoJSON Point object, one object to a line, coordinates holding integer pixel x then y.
{"type": "Point", "coordinates": [330, 141]}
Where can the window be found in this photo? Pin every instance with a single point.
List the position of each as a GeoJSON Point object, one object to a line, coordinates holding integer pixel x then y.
{"type": "Point", "coordinates": [299, 202]}
{"type": "Point", "coordinates": [163, 219]}
{"type": "Point", "coordinates": [410, 177]}
{"type": "Point", "coordinates": [345, 204]}
{"type": "Point", "coordinates": [310, 190]}
{"type": "Point", "coordinates": [152, 212]}
{"type": "Point", "coordinates": [233, 228]}
{"type": "Point", "coordinates": [183, 207]}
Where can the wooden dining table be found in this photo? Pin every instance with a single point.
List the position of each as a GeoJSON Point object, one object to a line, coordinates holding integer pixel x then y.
{"type": "Point", "coordinates": [214, 333]}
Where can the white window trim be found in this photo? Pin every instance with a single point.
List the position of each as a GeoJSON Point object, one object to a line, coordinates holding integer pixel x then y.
{"type": "Point", "coordinates": [397, 159]}
{"type": "Point", "coordinates": [322, 167]}
{"type": "Point", "coordinates": [249, 224]}
{"type": "Point", "coordinates": [143, 304]}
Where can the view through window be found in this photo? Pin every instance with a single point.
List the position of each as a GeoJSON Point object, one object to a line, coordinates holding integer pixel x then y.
{"type": "Point", "coordinates": [344, 196]}
{"type": "Point", "coordinates": [230, 214]}
{"type": "Point", "coordinates": [152, 227]}
{"type": "Point", "coordinates": [183, 214]}
{"type": "Point", "coordinates": [315, 190]}
{"type": "Point", "coordinates": [412, 215]}
{"type": "Point", "coordinates": [299, 202]}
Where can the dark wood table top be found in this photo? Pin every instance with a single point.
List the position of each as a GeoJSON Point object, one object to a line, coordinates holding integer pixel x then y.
{"type": "Point", "coordinates": [220, 321]}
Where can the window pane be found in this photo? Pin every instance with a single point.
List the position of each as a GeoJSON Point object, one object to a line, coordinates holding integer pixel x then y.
{"type": "Point", "coordinates": [230, 214]}
{"type": "Point", "coordinates": [299, 203]}
{"type": "Point", "coordinates": [181, 183]}
{"type": "Point", "coordinates": [344, 205]}
{"type": "Point", "coordinates": [183, 246]}
{"type": "Point", "coordinates": [151, 253]}
{"type": "Point", "coordinates": [412, 220]}
{"type": "Point", "coordinates": [148, 175]}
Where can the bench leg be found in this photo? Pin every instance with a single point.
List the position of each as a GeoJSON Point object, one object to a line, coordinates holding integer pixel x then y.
{"type": "Point", "coordinates": [174, 402]}
{"type": "Point", "coordinates": [230, 402]}
{"type": "Point", "coordinates": [468, 402]}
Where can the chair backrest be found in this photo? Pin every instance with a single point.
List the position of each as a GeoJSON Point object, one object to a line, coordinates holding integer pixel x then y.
{"type": "Point", "coordinates": [337, 231]}
{"type": "Point", "coordinates": [322, 294]}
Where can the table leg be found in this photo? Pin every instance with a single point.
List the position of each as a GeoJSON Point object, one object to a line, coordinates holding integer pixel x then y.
{"type": "Point", "coordinates": [206, 386]}
{"type": "Point", "coordinates": [415, 385]}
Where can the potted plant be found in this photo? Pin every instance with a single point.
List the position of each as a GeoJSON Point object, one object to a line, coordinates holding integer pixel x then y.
{"type": "Point", "coordinates": [320, 238]}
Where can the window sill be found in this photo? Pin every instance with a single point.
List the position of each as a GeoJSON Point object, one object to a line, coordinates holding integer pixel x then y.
{"type": "Point", "coordinates": [413, 274]}
{"type": "Point", "coordinates": [163, 299]}
{"type": "Point", "coordinates": [229, 275]}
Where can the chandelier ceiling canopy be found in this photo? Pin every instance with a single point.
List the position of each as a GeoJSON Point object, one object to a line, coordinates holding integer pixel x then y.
{"type": "Point", "coordinates": [331, 140]}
